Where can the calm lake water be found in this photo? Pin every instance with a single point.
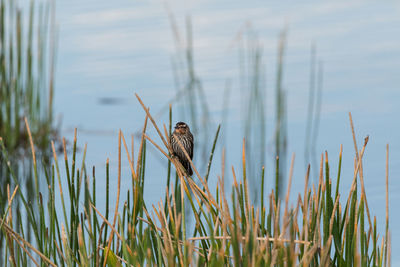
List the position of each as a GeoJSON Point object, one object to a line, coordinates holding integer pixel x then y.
{"type": "Point", "coordinates": [109, 50]}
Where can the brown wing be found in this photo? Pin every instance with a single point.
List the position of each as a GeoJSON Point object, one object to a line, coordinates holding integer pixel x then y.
{"type": "Point", "coordinates": [192, 145]}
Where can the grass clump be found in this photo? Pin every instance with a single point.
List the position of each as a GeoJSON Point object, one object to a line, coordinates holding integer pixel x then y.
{"type": "Point", "coordinates": [61, 224]}
{"type": "Point", "coordinates": [27, 57]}
{"type": "Point", "coordinates": [324, 227]}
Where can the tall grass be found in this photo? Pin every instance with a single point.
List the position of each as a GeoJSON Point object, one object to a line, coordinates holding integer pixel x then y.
{"type": "Point", "coordinates": [281, 120]}
{"type": "Point", "coordinates": [321, 227]}
{"type": "Point", "coordinates": [253, 91]}
{"type": "Point", "coordinates": [314, 109]}
{"type": "Point", "coordinates": [318, 228]}
{"type": "Point", "coordinates": [27, 57]}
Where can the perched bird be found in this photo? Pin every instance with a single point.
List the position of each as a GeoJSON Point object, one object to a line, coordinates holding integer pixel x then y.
{"type": "Point", "coordinates": [182, 132]}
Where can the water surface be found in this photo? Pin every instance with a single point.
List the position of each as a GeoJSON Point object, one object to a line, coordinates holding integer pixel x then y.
{"type": "Point", "coordinates": [109, 50]}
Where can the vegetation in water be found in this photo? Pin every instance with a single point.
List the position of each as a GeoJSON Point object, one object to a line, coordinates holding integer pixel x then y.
{"type": "Point", "coordinates": [323, 228]}
{"type": "Point", "coordinates": [54, 220]}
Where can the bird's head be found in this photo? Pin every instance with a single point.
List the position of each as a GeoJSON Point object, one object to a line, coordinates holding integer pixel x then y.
{"type": "Point", "coordinates": [181, 128]}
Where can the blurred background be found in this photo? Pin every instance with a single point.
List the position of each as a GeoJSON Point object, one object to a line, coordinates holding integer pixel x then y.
{"type": "Point", "coordinates": [261, 69]}
{"type": "Point", "coordinates": [282, 75]}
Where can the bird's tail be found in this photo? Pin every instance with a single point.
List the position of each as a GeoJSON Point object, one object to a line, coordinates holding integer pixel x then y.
{"type": "Point", "coordinates": [189, 170]}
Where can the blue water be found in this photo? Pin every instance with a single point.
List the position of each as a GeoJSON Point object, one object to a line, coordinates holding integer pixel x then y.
{"type": "Point", "coordinates": [109, 50]}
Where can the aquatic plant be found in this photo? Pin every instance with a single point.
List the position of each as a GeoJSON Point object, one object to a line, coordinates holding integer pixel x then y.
{"type": "Point", "coordinates": [323, 227]}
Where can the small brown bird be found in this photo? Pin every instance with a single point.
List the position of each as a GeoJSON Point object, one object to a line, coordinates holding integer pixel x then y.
{"type": "Point", "coordinates": [182, 132]}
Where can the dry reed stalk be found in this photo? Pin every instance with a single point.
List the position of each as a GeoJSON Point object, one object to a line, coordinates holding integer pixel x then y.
{"type": "Point", "coordinates": [65, 149]}
{"type": "Point", "coordinates": [163, 219]}
{"type": "Point", "coordinates": [363, 194]}
{"type": "Point", "coordinates": [27, 252]}
{"type": "Point", "coordinates": [132, 148]}
{"type": "Point", "coordinates": [16, 236]}
{"type": "Point", "coordinates": [276, 226]}
{"type": "Point", "coordinates": [9, 218]}
{"type": "Point", "coordinates": [141, 145]}
{"type": "Point", "coordinates": [129, 158]}
{"type": "Point", "coordinates": [31, 141]}
{"type": "Point", "coordinates": [59, 250]}
{"type": "Point", "coordinates": [166, 135]}
{"type": "Point", "coordinates": [333, 214]}
{"type": "Point", "coordinates": [107, 222]}
{"type": "Point", "coordinates": [353, 186]}
{"type": "Point", "coordinates": [159, 148]}
{"type": "Point", "coordinates": [325, 253]}
{"type": "Point", "coordinates": [10, 199]}
{"type": "Point", "coordinates": [246, 191]}
{"type": "Point", "coordinates": [153, 122]}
